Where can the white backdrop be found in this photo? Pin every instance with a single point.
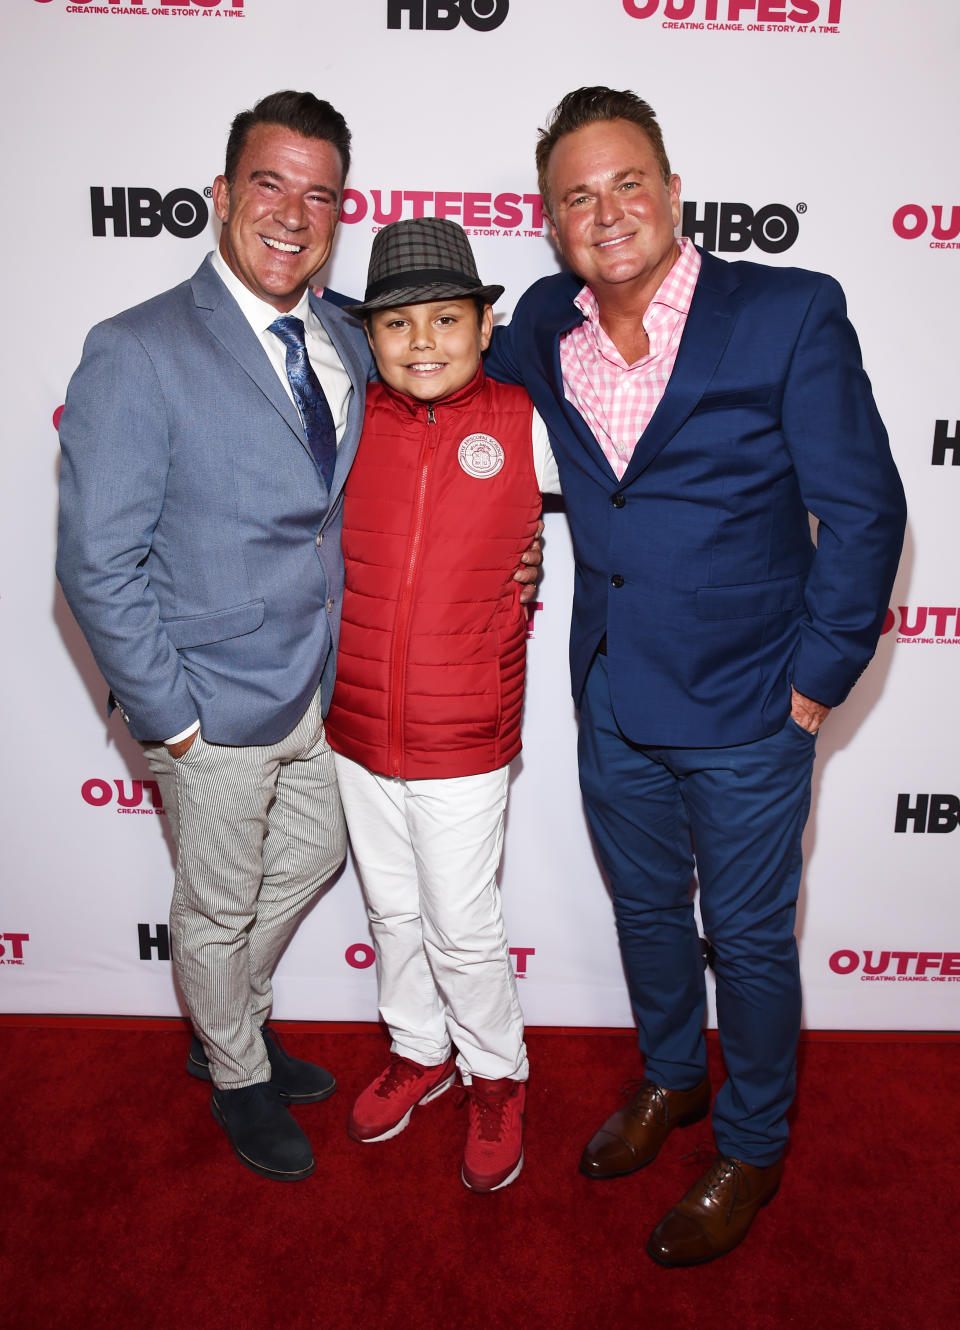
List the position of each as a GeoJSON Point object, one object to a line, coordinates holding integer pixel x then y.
{"type": "Point", "coordinates": [830, 124]}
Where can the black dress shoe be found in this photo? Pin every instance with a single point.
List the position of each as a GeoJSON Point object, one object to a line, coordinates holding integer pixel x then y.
{"type": "Point", "coordinates": [264, 1136]}
{"type": "Point", "coordinates": [296, 1081]}
{"type": "Point", "coordinates": [715, 1214]}
{"type": "Point", "coordinates": [631, 1138]}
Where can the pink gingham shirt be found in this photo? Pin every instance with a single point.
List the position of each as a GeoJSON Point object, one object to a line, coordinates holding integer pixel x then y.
{"type": "Point", "coordinates": [617, 400]}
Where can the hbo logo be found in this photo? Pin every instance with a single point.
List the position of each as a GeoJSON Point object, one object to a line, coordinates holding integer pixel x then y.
{"type": "Point", "coordinates": [481, 15]}
{"type": "Point", "coordinates": [733, 227]}
{"type": "Point", "coordinates": [145, 212]}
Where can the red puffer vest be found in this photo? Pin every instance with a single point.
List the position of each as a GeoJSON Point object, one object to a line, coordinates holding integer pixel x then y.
{"type": "Point", "coordinates": [441, 502]}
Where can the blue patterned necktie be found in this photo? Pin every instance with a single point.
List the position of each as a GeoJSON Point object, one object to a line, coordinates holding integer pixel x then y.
{"type": "Point", "coordinates": [309, 396]}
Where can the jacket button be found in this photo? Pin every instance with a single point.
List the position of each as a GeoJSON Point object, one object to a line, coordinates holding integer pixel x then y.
{"type": "Point", "coordinates": [319, 539]}
{"type": "Point", "coordinates": [618, 500]}
{"type": "Point", "coordinates": [616, 579]}
{"type": "Point", "coordinates": [330, 604]}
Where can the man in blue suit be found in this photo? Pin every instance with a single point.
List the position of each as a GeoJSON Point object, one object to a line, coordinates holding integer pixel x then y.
{"type": "Point", "coordinates": [205, 447]}
{"type": "Point", "coordinates": [699, 410]}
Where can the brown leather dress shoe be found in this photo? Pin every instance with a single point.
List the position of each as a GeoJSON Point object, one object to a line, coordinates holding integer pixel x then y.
{"type": "Point", "coordinates": [715, 1214]}
{"type": "Point", "coordinates": [632, 1137]}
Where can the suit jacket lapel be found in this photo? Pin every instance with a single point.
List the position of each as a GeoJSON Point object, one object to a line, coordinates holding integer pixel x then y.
{"type": "Point", "coordinates": [709, 324]}
{"type": "Point", "coordinates": [228, 324]}
{"type": "Point", "coordinates": [548, 329]}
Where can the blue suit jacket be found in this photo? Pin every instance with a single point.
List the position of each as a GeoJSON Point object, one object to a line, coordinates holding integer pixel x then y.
{"type": "Point", "coordinates": [199, 548]}
{"type": "Point", "coordinates": [699, 564]}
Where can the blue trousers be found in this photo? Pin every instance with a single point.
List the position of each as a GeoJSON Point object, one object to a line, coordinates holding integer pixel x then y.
{"type": "Point", "coordinates": [736, 815]}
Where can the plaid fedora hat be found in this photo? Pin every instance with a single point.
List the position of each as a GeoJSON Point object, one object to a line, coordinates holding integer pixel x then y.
{"type": "Point", "coordinates": [419, 259]}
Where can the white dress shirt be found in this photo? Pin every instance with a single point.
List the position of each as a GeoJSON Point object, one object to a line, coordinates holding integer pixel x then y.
{"type": "Point", "coordinates": [334, 379]}
{"type": "Point", "coordinates": [544, 462]}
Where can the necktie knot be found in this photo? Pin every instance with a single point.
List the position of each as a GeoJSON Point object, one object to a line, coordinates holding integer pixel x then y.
{"type": "Point", "coordinates": [308, 395]}
{"type": "Point", "coordinates": [291, 332]}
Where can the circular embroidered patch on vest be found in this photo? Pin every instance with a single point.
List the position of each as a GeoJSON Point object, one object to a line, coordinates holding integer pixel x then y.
{"type": "Point", "coordinates": [480, 455]}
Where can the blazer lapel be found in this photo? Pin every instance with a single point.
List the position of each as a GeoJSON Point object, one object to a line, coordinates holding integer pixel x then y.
{"type": "Point", "coordinates": [710, 322]}
{"type": "Point", "coordinates": [227, 323]}
{"type": "Point", "coordinates": [548, 330]}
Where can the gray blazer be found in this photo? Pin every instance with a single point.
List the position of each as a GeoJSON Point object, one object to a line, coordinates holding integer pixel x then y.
{"type": "Point", "coordinates": [199, 548]}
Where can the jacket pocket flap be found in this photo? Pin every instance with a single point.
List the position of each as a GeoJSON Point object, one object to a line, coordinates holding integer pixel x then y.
{"type": "Point", "coordinates": [741, 602]}
{"type": "Point", "coordinates": [760, 396]}
{"type": "Point", "coordinates": [197, 630]}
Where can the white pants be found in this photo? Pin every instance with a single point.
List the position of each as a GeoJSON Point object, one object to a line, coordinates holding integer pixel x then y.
{"type": "Point", "coordinates": [428, 853]}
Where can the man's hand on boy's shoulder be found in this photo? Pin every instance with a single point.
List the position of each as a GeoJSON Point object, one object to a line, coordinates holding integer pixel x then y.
{"type": "Point", "coordinates": [529, 571]}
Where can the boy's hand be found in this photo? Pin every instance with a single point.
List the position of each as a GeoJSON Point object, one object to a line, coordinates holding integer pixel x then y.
{"type": "Point", "coordinates": [529, 571]}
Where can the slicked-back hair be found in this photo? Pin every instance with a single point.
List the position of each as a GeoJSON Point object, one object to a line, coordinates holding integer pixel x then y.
{"type": "Point", "coordinates": [587, 106]}
{"type": "Point", "coordinates": [299, 111]}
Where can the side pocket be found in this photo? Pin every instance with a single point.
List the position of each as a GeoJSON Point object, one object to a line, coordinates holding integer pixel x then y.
{"type": "Point", "coordinates": [198, 630]}
{"type": "Point", "coordinates": [807, 735]}
{"type": "Point", "coordinates": [779, 596]}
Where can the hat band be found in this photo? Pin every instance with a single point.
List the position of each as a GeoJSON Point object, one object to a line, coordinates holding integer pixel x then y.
{"type": "Point", "coordinates": [420, 277]}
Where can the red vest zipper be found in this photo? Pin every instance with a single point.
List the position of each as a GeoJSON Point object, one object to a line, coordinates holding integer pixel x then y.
{"type": "Point", "coordinates": [397, 684]}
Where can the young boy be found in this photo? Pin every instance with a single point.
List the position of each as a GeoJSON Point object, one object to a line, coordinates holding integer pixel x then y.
{"type": "Point", "coordinates": [443, 498]}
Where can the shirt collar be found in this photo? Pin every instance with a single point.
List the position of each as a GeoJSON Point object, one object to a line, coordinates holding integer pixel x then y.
{"type": "Point", "coordinates": [258, 313]}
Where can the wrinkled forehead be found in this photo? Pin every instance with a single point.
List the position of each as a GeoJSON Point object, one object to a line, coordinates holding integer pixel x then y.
{"type": "Point", "coordinates": [275, 150]}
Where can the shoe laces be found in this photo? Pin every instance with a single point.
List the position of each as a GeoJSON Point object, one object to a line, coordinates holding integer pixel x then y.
{"type": "Point", "coordinates": [721, 1172]}
{"type": "Point", "coordinates": [269, 1030]}
{"type": "Point", "coordinates": [644, 1095]}
{"type": "Point", "coordinates": [399, 1071]}
{"type": "Point", "coordinates": [488, 1110]}
{"type": "Point", "coordinates": [701, 1153]}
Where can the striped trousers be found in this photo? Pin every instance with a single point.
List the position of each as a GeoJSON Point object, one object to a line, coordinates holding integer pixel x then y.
{"type": "Point", "coordinates": [258, 830]}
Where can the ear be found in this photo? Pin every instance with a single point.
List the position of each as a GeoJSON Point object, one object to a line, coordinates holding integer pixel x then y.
{"type": "Point", "coordinates": [674, 185]}
{"type": "Point", "coordinates": [221, 198]}
{"type": "Point", "coordinates": [486, 327]}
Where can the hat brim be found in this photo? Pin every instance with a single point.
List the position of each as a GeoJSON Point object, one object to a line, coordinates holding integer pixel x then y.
{"type": "Point", "coordinates": [421, 295]}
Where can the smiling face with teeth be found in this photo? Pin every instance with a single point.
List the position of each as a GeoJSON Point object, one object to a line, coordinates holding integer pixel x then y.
{"type": "Point", "coordinates": [429, 350]}
{"type": "Point", "coordinates": [611, 211]}
{"type": "Point", "coordinates": [280, 213]}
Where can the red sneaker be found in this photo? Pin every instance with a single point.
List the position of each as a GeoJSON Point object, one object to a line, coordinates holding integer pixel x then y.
{"type": "Point", "coordinates": [383, 1109]}
{"type": "Point", "coordinates": [493, 1155]}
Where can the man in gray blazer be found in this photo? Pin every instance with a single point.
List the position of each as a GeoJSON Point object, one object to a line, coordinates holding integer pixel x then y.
{"type": "Point", "coordinates": [205, 448]}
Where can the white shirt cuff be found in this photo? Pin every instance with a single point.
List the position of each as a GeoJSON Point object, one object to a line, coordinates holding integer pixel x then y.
{"type": "Point", "coordinates": [184, 734]}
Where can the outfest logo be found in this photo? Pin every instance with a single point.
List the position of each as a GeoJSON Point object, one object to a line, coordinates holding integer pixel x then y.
{"type": "Point", "coordinates": [479, 212]}
{"type": "Point", "coordinates": [181, 9]}
{"type": "Point", "coordinates": [913, 221]}
{"type": "Point", "coordinates": [11, 948]}
{"type": "Point", "coordinates": [892, 967]}
{"type": "Point", "coordinates": [100, 793]}
{"type": "Point", "coordinates": [924, 625]}
{"type": "Point", "coordinates": [784, 16]}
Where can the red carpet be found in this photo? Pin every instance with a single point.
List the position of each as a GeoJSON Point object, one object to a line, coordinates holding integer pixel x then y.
{"type": "Point", "coordinates": [124, 1207]}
